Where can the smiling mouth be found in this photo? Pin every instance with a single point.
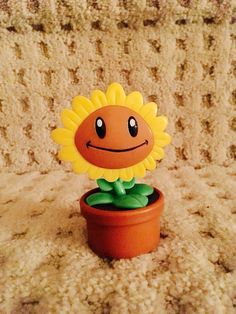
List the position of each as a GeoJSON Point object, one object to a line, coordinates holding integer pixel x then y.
{"type": "Point", "coordinates": [88, 144]}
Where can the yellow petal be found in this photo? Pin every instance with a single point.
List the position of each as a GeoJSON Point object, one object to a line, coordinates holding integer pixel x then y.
{"type": "Point", "coordinates": [70, 119]}
{"type": "Point", "coordinates": [95, 172]}
{"type": "Point", "coordinates": [127, 174]}
{"type": "Point", "coordinates": [158, 124]}
{"type": "Point", "coordinates": [68, 153]}
{"type": "Point", "coordinates": [70, 114]}
{"type": "Point", "coordinates": [162, 139]}
{"type": "Point", "coordinates": [158, 153]}
{"type": "Point", "coordinates": [69, 124]}
{"type": "Point", "coordinates": [98, 98]}
{"type": "Point", "coordinates": [80, 165]}
{"type": "Point", "coordinates": [134, 101]}
{"type": "Point", "coordinates": [111, 175]}
{"type": "Point", "coordinates": [62, 136]}
{"type": "Point", "coordinates": [149, 109]}
{"type": "Point", "coordinates": [115, 94]}
{"type": "Point", "coordinates": [139, 170]}
{"type": "Point", "coordinates": [82, 106]}
{"type": "Point", "coordinates": [150, 163]}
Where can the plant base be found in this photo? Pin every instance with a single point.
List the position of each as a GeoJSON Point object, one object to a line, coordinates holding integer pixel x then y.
{"type": "Point", "coordinates": [123, 233]}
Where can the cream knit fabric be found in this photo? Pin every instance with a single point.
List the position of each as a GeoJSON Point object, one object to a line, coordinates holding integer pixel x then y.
{"type": "Point", "coordinates": [180, 54]}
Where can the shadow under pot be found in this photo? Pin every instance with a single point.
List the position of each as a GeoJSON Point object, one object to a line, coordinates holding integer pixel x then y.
{"type": "Point", "coordinates": [116, 233]}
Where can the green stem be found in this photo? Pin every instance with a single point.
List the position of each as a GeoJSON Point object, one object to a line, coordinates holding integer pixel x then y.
{"type": "Point", "coordinates": [119, 188]}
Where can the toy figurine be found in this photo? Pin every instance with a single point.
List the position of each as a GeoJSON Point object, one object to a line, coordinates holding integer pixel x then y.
{"type": "Point", "coordinates": [115, 138]}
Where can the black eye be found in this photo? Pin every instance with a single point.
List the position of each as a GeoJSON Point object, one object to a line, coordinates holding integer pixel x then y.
{"type": "Point", "coordinates": [100, 127]}
{"type": "Point", "coordinates": [133, 126]}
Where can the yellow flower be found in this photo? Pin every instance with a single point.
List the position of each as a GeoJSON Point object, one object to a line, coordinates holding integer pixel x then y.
{"type": "Point", "coordinates": [112, 135]}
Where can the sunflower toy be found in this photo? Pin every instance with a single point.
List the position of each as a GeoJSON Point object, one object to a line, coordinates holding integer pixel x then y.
{"type": "Point", "coordinates": [115, 138]}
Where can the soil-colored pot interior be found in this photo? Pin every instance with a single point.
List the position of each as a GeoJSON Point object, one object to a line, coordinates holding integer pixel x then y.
{"type": "Point", "coordinates": [151, 199]}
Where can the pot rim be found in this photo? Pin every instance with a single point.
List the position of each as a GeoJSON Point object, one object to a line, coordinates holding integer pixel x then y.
{"type": "Point", "coordinates": [122, 217]}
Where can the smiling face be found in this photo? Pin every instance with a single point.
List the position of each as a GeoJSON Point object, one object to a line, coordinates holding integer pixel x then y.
{"type": "Point", "coordinates": [114, 137]}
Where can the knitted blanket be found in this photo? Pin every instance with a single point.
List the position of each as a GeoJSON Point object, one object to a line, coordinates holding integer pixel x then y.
{"type": "Point", "coordinates": [180, 54]}
{"type": "Point", "coordinates": [47, 266]}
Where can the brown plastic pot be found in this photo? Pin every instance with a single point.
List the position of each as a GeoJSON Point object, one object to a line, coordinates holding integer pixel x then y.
{"type": "Point", "coordinates": [123, 233]}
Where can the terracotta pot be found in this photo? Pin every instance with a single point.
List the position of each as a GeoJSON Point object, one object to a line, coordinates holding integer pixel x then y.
{"type": "Point", "coordinates": [123, 233]}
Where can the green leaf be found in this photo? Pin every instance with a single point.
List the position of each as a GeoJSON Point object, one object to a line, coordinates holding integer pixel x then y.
{"type": "Point", "coordinates": [99, 199]}
{"type": "Point", "coordinates": [130, 201]}
{"type": "Point", "coordinates": [142, 189]}
{"type": "Point", "coordinates": [129, 184]}
{"type": "Point", "coordinates": [104, 185]}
